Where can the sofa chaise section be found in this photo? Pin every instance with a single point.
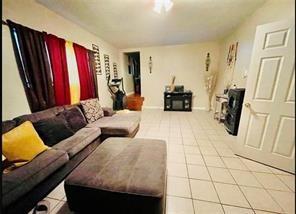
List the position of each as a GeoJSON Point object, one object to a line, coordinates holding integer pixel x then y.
{"type": "Point", "coordinates": [115, 124]}
{"type": "Point", "coordinates": [118, 125]}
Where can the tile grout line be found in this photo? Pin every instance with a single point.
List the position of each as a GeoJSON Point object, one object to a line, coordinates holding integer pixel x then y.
{"type": "Point", "coordinates": [228, 170]}
{"type": "Point", "coordinates": [223, 161]}
{"type": "Point", "coordinates": [253, 173]}
{"type": "Point", "coordinates": [192, 202]}
{"type": "Point", "coordinates": [230, 184]}
{"type": "Point", "coordinates": [253, 187]}
{"type": "Point", "coordinates": [220, 182]}
{"type": "Point", "coordinates": [284, 182]}
{"type": "Point", "coordinates": [221, 156]}
{"type": "Point", "coordinates": [211, 178]}
{"type": "Point", "coordinates": [231, 205]}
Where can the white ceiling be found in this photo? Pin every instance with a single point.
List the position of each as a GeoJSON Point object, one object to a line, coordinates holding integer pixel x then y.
{"type": "Point", "coordinates": [133, 23]}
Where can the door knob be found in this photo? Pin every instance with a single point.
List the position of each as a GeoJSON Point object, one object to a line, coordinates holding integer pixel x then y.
{"type": "Point", "coordinates": [248, 105]}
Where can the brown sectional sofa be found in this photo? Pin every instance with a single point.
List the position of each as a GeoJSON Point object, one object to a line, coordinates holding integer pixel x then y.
{"type": "Point", "coordinates": [23, 187]}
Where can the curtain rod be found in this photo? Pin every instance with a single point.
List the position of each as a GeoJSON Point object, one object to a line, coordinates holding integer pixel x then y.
{"type": "Point", "coordinates": [4, 22]}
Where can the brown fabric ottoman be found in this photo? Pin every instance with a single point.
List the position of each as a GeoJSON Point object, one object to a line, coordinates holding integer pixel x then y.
{"type": "Point", "coordinates": [122, 176]}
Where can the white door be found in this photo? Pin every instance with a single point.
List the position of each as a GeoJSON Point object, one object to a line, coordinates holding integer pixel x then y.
{"type": "Point", "coordinates": [267, 125]}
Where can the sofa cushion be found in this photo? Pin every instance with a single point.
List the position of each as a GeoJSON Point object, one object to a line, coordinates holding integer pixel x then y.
{"type": "Point", "coordinates": [34, 117]}
{"type": "Point", "coordinates": [78, 141]}
{"type": "Point", "coordinates": [74, 117]}
{"type": "Point", "coordinates": [92, 109]}
{"type": "Point", "coordinates": [117, 125]}
{"type": "Point", "coordinates": [22, 144]}
{"type": "Point", "coordinates": [53, 130]}
{"type": "Point", "coordinates": [21, 180]}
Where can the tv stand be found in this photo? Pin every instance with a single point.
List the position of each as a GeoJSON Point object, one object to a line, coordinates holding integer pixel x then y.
{"type": "Point", "coordinates": [177, 101]}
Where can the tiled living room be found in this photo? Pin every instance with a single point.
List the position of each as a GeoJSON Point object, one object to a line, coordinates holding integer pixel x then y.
{"type": "Point", "coordinates": [148, 107]}
{"type": "Point", "coordinates": [204, 175]}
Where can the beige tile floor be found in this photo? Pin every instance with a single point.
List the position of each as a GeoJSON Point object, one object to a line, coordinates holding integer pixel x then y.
{"type": "Point", "coordinates": [204, 175]}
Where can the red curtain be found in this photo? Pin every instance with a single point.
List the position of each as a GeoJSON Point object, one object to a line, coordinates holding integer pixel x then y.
{"type": "Point", "coordinates": [85, 76]}
{"type": "Point", "coordinates": [58, 60]}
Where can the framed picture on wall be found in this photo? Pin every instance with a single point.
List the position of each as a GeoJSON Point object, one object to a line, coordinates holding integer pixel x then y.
{"type": "Point", "coordinates": [232, 55]}
{"type": "Point", "coordinates": [97, 59]}
{"type": "Point", "coordinates": [107, 65]}
{"type": "Point", "coordinates": [115, 70]}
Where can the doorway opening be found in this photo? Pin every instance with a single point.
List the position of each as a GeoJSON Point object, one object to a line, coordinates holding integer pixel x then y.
{"type": "Point", "coordinates": [132, 74]}
{"type": "Point", "coordinates": [134, 69]}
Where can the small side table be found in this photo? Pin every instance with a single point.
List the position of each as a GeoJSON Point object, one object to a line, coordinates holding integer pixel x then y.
{"type": "Point", "coordinates": [220, 105]}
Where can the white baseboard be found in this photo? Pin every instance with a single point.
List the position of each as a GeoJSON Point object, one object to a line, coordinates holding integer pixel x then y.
{"type": "Point", "coordinates": [152, 107]}
{"type": "Point", "coordinates": [161, 107]}
{"type": "Point", "coordinates": [130, 93]}
{"type": "Point", "coordinates": [199, 108]}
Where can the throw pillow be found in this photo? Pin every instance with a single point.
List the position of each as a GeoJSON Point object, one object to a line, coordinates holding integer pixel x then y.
{"type": "Point", "coordinates": [21, 144]}
{"type": "Point", "coordinates": [53, 130]}
{"type": "Point", "coordinates": [75, 118]}
{"type": "Point", "coordinates": [92, 109]}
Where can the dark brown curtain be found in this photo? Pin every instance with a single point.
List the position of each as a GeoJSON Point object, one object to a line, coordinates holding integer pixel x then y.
{"type": "Point", "coordinates": [33, 64]}
{"type": "Point", "coordinates": [92, 68]}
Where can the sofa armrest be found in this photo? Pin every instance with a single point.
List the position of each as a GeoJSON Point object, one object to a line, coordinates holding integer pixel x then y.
{"type": "Point", "coordinates": [108, 111]}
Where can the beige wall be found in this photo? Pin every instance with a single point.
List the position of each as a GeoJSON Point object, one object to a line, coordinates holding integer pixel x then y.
{"type": "Point", "coordinates": [244, 34]}
{"type": "Point", "coordinates": [186, 62]}
{"type": "Point", "coordinates": [36, 16]}
{"type": "Point", "coordinates": [14, 101]}
{"type": "Point", "coordinates": [127, 78]}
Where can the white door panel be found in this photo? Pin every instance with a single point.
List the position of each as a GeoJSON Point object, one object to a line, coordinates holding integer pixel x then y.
{"type": "Point", "coordinates": [269, 68]}
{"type": "Point", "coordinates": [291, 92]}
{"type": "Point", "coordinates": [267, 125]}
{"type": "Point", "coordinates": [284, 144]}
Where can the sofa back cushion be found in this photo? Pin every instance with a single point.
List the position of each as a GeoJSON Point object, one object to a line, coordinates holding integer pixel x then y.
{"type": "Point", "coordinates": [74, 117]}
{"type": "Point", "coordinates": [8, 125]}
{"type": "Point", "coordinates": [34, 117]}
{"type": "Point", "coordinates": [53, 130]}
{"type": "Point", "coordinates": [92, 109]}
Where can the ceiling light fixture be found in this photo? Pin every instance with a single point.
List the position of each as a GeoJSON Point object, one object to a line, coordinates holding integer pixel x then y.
{"type": "Point", "coordinates": [159, 4]}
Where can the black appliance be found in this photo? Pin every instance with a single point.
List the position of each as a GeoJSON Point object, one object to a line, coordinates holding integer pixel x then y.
{"type": "Point", "coordinates": [233, 110]}
{"type": "Point", "coordinates": [177, 101]}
